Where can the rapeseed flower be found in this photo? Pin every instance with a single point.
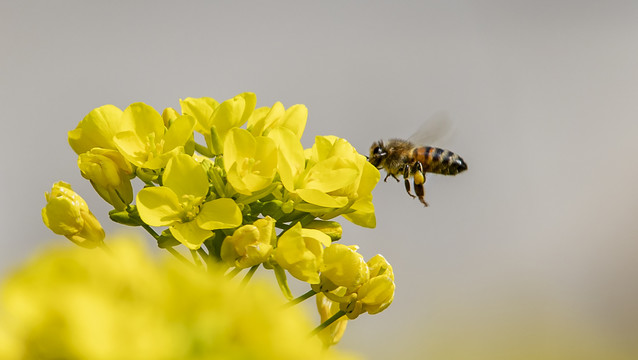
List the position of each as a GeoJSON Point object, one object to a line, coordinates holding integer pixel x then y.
{"type": "Point", "coordinates": [73, 304]}
{"type": "Point", "coordinates": [145, 141]}
{"type": "Point", "coordinates": [300, 252]}
{"type": "Point", "coordinates": [110, 174]}
{"type": "Point", "coordinates": [265, 119]}
{"type": "Point", "coordinates": [328, 180]}
{"type": "Point", "coordinates": [250, 162]}
{"type": "Point", "coordinates": [224, 204]}
{"type": "Point", "coordinates": [249, 245]}
{"type": "Point", "coordinates": [215, 120]}
{"type": "Point", "coordinates": [66, 213]}
{"type": "Point", "coordinates": [180, 204]}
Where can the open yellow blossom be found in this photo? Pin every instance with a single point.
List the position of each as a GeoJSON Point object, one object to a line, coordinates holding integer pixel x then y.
{"type": "Point", "coordinates": [180, 204]}
{"type": "Point", "coordinates": [73, 304]}
{"type": "Point", "coordinates": [330, 179]}
{"type": "Point", "coordinates": [96, 130]}
{"type": "Point", "coordinates": [110, 175]}
{"type": "Point", "coordinates": [249, 245]}
{"type": "Point", "coordinates": [215, 120]}
{"type": "Point", "coordinates": [66, 213]}
{"type": "Point", "coordinates": [145, 142]}
{"type": "Point", "coordinates": [250, 162]}
{"type": "Point", "coordinates": [265, 119]}
{"type": "Point", "coordinates": [300, 251]}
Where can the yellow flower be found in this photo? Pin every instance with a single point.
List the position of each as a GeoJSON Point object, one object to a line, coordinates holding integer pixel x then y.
{"type": "Point", "coordinates": [215, 120]}
{"type": "Point", "coordinates": [300, 251]}
{"type": "Point", "coordinates": [110, 175]}
{"type": "Point", "coordinates": [331, 179]}
{"type": "Point", "coordinates": [376, 294]}
{"type": "Point", "coordinates": [344, 266]}
{"type": "Point", "coordinates": [249, 245]}
{"type": "Point", "coordinates": [73, 304]}
{"type": "Point", "coordinates": [265, 119]}
{"type": "Point", "coordinates": [180, 204]}
{"type": "Point", "coordinates": [96, 130]}
{"type": "Point", "coordinates": [332, 334]}
{"type": "Point", "coordinates": [145, 142]}
{"type": "Point", "coordinates": [66, 213]}
{"type": "Point", "coordinates": [250, 162]}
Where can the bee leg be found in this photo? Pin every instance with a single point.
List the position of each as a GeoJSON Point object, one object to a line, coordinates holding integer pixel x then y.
{"type": "Point", "coordinates": [419, 180]}
{"type": "Point", "coordinates": [406, 180]}
{"type": "Point", "coordinates": [387, 176]}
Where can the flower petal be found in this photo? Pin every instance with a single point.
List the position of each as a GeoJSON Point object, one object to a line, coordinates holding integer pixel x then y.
{"type": "Point", "coordinates": [131, 147]}
{"type": "Point", "coordinates": [158, 206]}
{"type": "Point", "coordinates": [190, 234]}
{"type": "Point", "coordinates": [201, 109]}
{"type": "Point", "coordinates": [179, 132]}
{"type": "Point", "coordinates": [239, 144]}
{"type": "Point", "coordinates": [295, 119]}
{"type": "Point", "coordinates": [96, 129]}
{"type": "Point", "coordinates": [185, 177]}
{"type": "Point", "coordinates": [320, 198]}
{"type": "Point", "coordinates": [143, 120]}
{"type": "Point", "coordinates": [219, 214]}
{"type": "Point", "coordinates": [233, 113]}
{"type": "Point", "coordinates": [363, 214]}
{"type": "Point", "coordinates": [290, 157]}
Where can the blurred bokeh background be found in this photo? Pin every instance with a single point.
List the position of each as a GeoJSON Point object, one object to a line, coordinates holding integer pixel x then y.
{"type": "Point", "coordinates": [530, 254]}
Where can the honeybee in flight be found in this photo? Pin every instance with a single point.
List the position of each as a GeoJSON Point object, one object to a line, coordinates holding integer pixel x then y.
{"type": "Point", "coordinates": [411, 159]}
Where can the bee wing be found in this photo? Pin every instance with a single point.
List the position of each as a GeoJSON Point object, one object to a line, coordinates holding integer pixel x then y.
{"type": "Point", "coordinates": [433, 130]}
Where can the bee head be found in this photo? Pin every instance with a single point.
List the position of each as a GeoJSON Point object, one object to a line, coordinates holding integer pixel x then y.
{"type": "Point", "coordinates": [377, 153]}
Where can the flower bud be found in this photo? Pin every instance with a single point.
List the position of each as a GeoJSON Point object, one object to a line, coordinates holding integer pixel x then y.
{"type": "Point", "coordinates": [168, 115]}
{"type": "Point", "coordinates": [249, 245]}
{"type": "Point", "coordinates": [379, 266]}
{"type": "Point", "coordinates": [330, 228]}
{"type": "Point", "coordinates": [373, 296]}
{"type": "Point", "coordinates": [300, 251]}
{"type": "Point", "coordinates": [109, 174]}
{"type": "Point", "coordinates": [66, 213]}
{"type": "Point", "coordinates": [377, 294]}
{"type": "Point", "coordinates": [343, 266]}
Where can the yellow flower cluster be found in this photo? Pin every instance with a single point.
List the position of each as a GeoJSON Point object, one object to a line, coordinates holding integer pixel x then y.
{"type": "Point", "coordinates": [249, 196]}
{"type": "Point", "coordinates": [70, 304]}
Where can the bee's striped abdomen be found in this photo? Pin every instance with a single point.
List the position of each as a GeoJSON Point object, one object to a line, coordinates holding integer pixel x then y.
{"type": "Point", "coordinates": [439, 161]}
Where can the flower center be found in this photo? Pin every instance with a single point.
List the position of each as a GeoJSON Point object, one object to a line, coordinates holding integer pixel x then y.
{"type": "Point", "coordinates": [190, 207]}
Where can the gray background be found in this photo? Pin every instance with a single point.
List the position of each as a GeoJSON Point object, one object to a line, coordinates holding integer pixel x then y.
{"type": "Point", "coordinates": [532, 253]}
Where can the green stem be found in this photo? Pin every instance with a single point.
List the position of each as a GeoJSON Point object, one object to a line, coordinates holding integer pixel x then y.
{"type": "Point", "coordinates": [233, 273]}
{"type": "Point", "coordinates": [328, 322]}
{"type": "Point", "coordinates": [249, 275]}
{"type": "Point", "coordinates": [150, 231]}
{"type": "Point", "coordinates": [179, 256]}
{"type": "Point", "coordinates": [203, 150]}
{"type": "Point", "coordinates": [301, 298]}
{"type": "Point", "coordinates": [280, 275]}
{"type": "Point", "coordinates": [206, 257]}
{"type": "Point", "coordinates": [196, 259]}
{"type": "Point", "coordinates": [106, 249]}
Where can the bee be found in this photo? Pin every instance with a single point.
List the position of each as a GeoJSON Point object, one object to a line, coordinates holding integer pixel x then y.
{"type": "Point", "coordinates": [404, 157]}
